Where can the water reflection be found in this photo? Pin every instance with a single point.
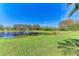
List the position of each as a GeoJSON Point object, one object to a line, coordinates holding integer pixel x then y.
{"type": "Point", "coordinates": [13, 34]}
{"type": "Point", "coordinates": [7, 35]}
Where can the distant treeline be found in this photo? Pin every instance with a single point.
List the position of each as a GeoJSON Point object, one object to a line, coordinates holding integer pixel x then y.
{"type": "Point", "coordinates": [21, 27]}
{"type": "Point", "coordinates": [64, 25]}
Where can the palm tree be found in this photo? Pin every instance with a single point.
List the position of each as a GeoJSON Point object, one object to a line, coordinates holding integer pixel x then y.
{"type": "Point", "coordinates": [76, 7]}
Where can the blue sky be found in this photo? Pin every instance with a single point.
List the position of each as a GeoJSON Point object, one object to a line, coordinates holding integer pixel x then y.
{"type": "Point", "coordinates": [44, 14]}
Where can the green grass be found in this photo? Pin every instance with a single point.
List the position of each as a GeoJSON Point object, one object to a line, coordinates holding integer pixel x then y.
{"type": "Point", "coordinates": [36, 45]}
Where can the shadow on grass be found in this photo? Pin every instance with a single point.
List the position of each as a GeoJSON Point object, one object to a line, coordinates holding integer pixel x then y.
{"type": "Point", "coordinates": [68, 46]}
{"type": "Point", "coordinates": [40, 33]}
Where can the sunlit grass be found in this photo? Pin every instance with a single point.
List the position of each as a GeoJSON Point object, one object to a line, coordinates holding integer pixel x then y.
{"type": "Point", "coordinates": [36, 44]}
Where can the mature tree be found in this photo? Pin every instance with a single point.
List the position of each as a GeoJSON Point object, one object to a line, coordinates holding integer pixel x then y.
{"type": "Point", "coordinates": [22, 27]}
{"type": "Point", "coordinates": [1, 27]}
{"type": "Point", "coordinates": [8, 28]}
{"type": "Point", "coordinates": [35, 27]}
{"type": "Point", "coordinates": [19, 27]}
{"type": "Point", "coordinates": [64, 25]}
{"type": "Point", "coordinates": [28, 27]}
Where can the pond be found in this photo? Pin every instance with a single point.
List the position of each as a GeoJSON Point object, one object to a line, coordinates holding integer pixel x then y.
{"type": "Point", "coordinates": [7, 35]}
{"type": "Point", "coordinates": [13, 34]}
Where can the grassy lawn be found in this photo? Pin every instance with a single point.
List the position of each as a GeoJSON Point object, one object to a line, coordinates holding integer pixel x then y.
{"type": "Point", "coordinates": [36, 45]}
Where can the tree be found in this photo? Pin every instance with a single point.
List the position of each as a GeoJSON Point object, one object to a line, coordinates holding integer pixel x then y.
{"type": "Point", "coordinates": [28, 27]}
{"type": "Point", "coordinates": [19, 27]}
{"type": "Point", "coordinates": [1, 27]}
{"type": "Point", "coordinates": [76, 7]}
{"type": "Point", "coordinates": [65, 24]}
{"type": "Point", "coordinates": [35, 27]}
{"type": "Point", "coordinates": [8, 28]}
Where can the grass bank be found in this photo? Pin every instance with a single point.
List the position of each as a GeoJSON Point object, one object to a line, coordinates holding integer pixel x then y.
{"type": "Point", "coordinates": [36, 45]}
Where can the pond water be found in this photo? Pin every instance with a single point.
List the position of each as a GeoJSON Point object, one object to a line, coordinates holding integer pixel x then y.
{"type": "Point", "coordinates": [7, 35]}
{"type": "Point", "coordinates": [13, 34]}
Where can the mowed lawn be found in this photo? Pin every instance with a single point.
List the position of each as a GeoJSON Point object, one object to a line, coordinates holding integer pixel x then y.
{"type": "Point", "coordinates": [36, 45]}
